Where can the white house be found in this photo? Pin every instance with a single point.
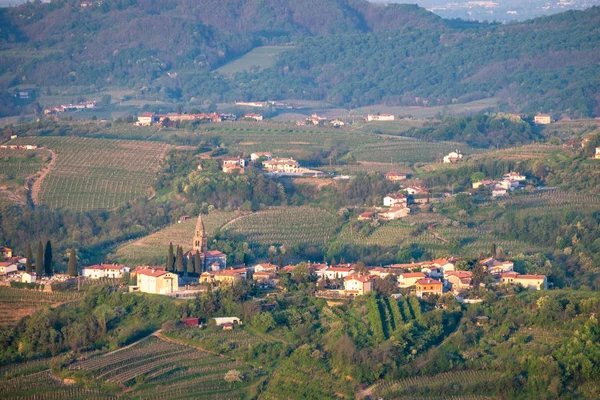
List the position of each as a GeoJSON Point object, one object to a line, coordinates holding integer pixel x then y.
{"type": "Point", "coordinates": [453, 157]}
{"type": "Point", "coordinates": [395, 213]}
{"type": "Point", "coordinates": [407, 279]}
{"type": "Point", "coordinates": [514, 176]}
{"type": "Point", "coordinates": [105, 271]}
{"type": "Point", "coordinates": [156, 280]}
{"type": "Point", "coordinates": [380, 117]}
{"type": "Point", "coordinates": [412, 190]}
{"type": "Point", "coordinates": [334, 272]}
{"type": "Point", "coordinates": [7, 268]}
{"type": "Point", "coordinates": [358, 285]}
{"type": "Point", "coordinates": [27, 277]}
{"type": "Point", "coordinates": [394, 200]}
{"type": "Point", "coordinates": [256, 156]}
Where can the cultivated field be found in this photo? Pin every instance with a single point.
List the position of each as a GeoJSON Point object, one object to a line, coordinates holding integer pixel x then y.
{"type": "Point", "coordinates": [15, 167]}
{"type": "Point", "coordinates": [289, 226]}
{"type": "Point", "coordinates": [17, 303]}
{"type": "Point", "coordinates": [152, 249]}
{"type": "Point", "coordinates": [261, 57]}
{"type": "Point", "coordinates": [96, 173]}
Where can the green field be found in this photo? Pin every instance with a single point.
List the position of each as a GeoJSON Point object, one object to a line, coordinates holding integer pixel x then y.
{"type": "Point", "coordinates": [152, 249]}
{"type": "Point", "coordinates": [261, 57]}
{"type": "Point", "coordinates": [97, 173]}
{"type": "Point", "coordinates": [15, 167]}
{"type": "Point", "coordinates": [289, 226]}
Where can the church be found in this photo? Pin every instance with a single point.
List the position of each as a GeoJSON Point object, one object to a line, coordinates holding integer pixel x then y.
{"type": "Point", "coordinates": [212, 260]}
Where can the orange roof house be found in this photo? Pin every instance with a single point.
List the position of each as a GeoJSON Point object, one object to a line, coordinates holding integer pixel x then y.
{"type": "Point", "coordinates": [428, 286]}
{"type": "Point", "coordinates": [358, 285]}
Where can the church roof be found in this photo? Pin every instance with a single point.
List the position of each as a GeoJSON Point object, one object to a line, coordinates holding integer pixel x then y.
{"type": "Point", "coordinates": [200, 225]}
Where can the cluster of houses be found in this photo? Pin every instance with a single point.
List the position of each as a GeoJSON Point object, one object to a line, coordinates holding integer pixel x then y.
{"type": "Point", "coordinates": [499, 188]}
{"type": "Point", "coordinates": [150, 118]}
{"type": "Point", "coordinates": [316, 119]}
{"type": "Point", "coordinates": [380, 117]}
{"type": "Point", "coordinates": [86, 105]}
{"type": "Point", "coordinates": [398, 203]}
{"type": "Point", "coordinates": [279, 166]}
{"type": "Point", "coordinates": [19, 146]}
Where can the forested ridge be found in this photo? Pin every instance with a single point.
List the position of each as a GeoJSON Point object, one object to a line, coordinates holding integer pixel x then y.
{"type": "Point", "coordinates": [348, 52]}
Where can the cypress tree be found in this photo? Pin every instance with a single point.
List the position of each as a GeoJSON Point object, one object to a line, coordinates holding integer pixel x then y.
{"type": "Point", "coordinates": [493, 250]}
{"type": "Point", "coordinates": [48, 259]}
{"type": "Point", "coordinates": [170, 258]}
{"type": "Point", "coordinates": [179, 260]}
{"type": "Point", "coordinates": [39, 260]}
{"type": "Point", "coordinates": [190, 265]}
{"type": "Point", "coordinates": [72, 266]}
{"type": "Point", "coordinates": [29, 262]}
{"type": "Point", "coordinates": [197, 263]}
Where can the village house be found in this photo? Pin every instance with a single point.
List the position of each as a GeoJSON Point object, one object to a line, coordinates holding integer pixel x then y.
{"type": "Point", "coordinates": [147, 119]}
{"type": "Point", "coordinates": [256, 156]}
{"type": "Point", "coordinates": [542, 119]}
{"type": "Point", "coordinates": [367, 216]}
{"type": "Point", "coordinates": [280, 164]}
{"type": "Point", "coordinates": [231, 164]}
{"type": "Point", "coordinates": [444, 264]}
{"type": "Point", "coordinates": [6, 252]}
{"type": "Point", "coordinates": [156, 280]}
{"type": "Point", "coordinates": [514, 176]}
{"type": "Point", "coordinates": [380, 117]}
{"type": "Point", "coordinates": [380, 272]}
{"type": "Point", "coordinates": [416, 190]}
{"type": "Point", "coordinates": [336, 123]}
{"type": "Point", "coordinates": [334, 272]}
{"type": "Point", "coordinates": [494, 266]}
{"type": "Point", "coordinates": [453, 157]}
{"type": "Point", "coordinates": [395, 213]}
{"type": "Point", "coordinates": [220, 321]}
{"type": "Point", "coordinates": [265, 278]}
{"type": "Point", "coordinates": [358, 285]}
{"type": "Point", "coordinates": [27, 277]}
{"type": "Point", "coordinates": [499, 192]}
{"type": "Point", "coordinates": [227, 276]}
{"type": "Point", "coordinates": [458, 280]}
{"type": "Point", "coordinates": [427, 286]}
{"type": "Point", "coordinates": [533, 282]}
{"type": "Point", "coordinates": [394, 200]}
{"type": "Point", "coordinates": [408, 279]}
{"type": "Point", "coordinates": [7, 267]}
{"type": "Point", "coordinates": [597, 154]}
{"type": "Point", "coordinates": [105, 271]}
{"type": "Point", "coordinates": [265, 267]}
{"type": "Point", "coordinates": [315, 120]}
{"type": "Point", "coordinates": [395, 176]}
{"type": "Point", "coordinates": [256, 117]}
{"type": "Point", "coordinates": [488, 183]}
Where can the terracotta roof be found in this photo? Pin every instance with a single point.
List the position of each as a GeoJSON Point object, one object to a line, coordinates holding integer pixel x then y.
{"type": "Point", "coordinates": [510, 275]}
{"type": "Point", "coordinates": [339, 269]}
{"type": "Point", "coordinates": [360, 278]}
{"type": "Point", "coordinates": [213, 253]}
{"type": "Point", "coordinates": [532, 277]}
{"type": "Point", "coordinates": [367, 214]}
{"type": "Point", "coordinates": [5, 264]}
{"type": "Point", "coordinates": [428, 281]}
{"type": "Point", "coordinates": [230, 272]}
{"type": "Point", "coordinates": [396, 196]}
{"type": "Point", "coordinates": [106, 267]}
{"type": "Point", "coordinates": [154, 272]}
{"type": "Point", "coordinates": [413, 275]}
{"type": "Point", "coordinates": [460, 274]}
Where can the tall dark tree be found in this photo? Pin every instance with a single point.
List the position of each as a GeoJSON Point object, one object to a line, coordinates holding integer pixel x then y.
{"type": "Point", "coordinates": [29, 262]}
{"type": "Point", "coordinates": [189, 265]}
{"type": "Point", "coordinates": [72, 266]}
{"type": "Point", "coordinates": [170, 258]}
{"type": "Point", "coordinates": [179, 260]}
{"type": "Point", "coordinates": [48, 270]}
{"type": "Point", "coordinates": [478, 274]}
{"type": "Point", "coordinates": [197, 263]}
{"type": "Point", "coordinates": [39, 260]}
{"type": "Point", "coordinates": [493, 250]}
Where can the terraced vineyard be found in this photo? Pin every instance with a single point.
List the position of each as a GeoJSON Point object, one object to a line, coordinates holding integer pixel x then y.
{"type": "Point", "coordinates": [152, 249]}
{"type": "Point", "coordinates": [289, 226]}
{"type": "Point", "coordinates": [406, 150]}
{"type": "Point", "coordinates": [15, 167]}
{"type": "Point", "coordinates": [158, 369]}
{"type": "Point", "coordinates": [444, 385]}
{"type": "Point", "coordinates": [217, 340]}
{"type": "Point", "coordinates": [96, 173]}
{"type": "Point", "coordinates": [554, 200]}
{"type": "Point", "coordinates": [17, 303]}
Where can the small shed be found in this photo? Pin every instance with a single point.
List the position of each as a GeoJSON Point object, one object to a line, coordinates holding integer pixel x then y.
{"type": "Point", "coordinates": [227, 320]}
{"type": "Point", "coordinates": [191, 322]}
{"type": "Point", "coordinates": [227, 326]}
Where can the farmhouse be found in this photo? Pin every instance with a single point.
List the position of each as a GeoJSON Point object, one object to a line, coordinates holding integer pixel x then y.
{"type": "Point", "coordinates": [597, 154]}
{"type": "Point", "coordinates": [266, 267]}
{"type": "Point", "coordinates": [6, 252]}
{"type": "Point", "coordinates": [413, 190]}
{"type": "Point", "coordinates": [407, 279]}
{"type": "Point", "coordinates": [7, 267]}
{"type": "Point", "coordinates": [395, 176]}
{"type": "Point", "coordinates": [394, 200]}
{"type": "Point", "coordinates": [458, 279]}
{"type": "Point", "coordinates": [380, 117]}
{"type": "Point", "coordinates": [231, 164]}
{"type": "Point", "coordinates": [256, 156]}
{"type": "Point", "coordinates": [227, 320]}
{"type": "Point", "coordinates": [334, 272]}
{"type": "Point", "coordinates": [228, 276]}
{"type": "Point", "coordinates": [542, 119]}
{"type": "Point", "coordinates": [427, 287]}
{"type": "Point", "coordinates": [514, 176]}
{"type": "Point", "coordinates": [256, 117]}
{"type": "Point", "coordinates": [315, 120]}
{"type": "Point", "coordinates": [147, 119]}
{"type": "Point", "coordinates": [280, 164]}
{"type": "Point", "coordinates": [27, 277]}
{"type": "Point", "coordinates": [453, 157]}
{"type": "Point", "coordinates": [336, 123]}
{"type": "Point", "coordinates": [358, 285]}
{"type": "Point", "coordinates": [105, 271]}
{"type": "Point", "coordinates": [494, 266]}
{"type": "Point", "coordinates": [264, 278]}
{"type": "Point", "coordinates": [156, 280]}
{"type": "Point", "coordinates": [395, 213]}
{"type": "Point", "coordinates": [533, 282]}
{"type": "Point", "coordinates": [367, 216]}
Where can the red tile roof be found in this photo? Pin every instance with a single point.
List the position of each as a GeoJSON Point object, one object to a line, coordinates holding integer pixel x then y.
{"type": "Point", "coordinates": [154, 272]}
{"type": "Point", "coordinates": [532, 277]}
{"type": "Point", "coordinates": [428, 281]}
{"type": "Point", "coordinates": [413, 275]}
{"type": "Point", "coordinates": [360, 278]}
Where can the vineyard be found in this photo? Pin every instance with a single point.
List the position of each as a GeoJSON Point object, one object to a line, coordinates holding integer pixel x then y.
{"type": "Point", "coordinates": [217, 340]}
{"type": "Point", "coordinates": [159, 369]}
{"type": "Point", "coordinates": [15, 167]}
{"type": "Point", "coordinates": [152, 249]}
{"type": "Point", "coordinates": [289, 226]}
{"type": "Point", "coordinates": [446, 385]}
{"type": "Point", "coordinates": [17, 303]}
{"type": "Point", "coordinates": [554, 200]}
{"type": "Point", "coordinates": [97, 173]}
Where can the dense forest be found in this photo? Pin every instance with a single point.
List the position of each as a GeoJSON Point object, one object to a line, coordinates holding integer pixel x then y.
{"type": "Point", "coordinates": [348, 52]}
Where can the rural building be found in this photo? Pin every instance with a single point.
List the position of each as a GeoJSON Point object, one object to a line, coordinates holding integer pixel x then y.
{"type": "Point", "coordinates": [105, 271]}
{"type": "Point", "coordinates": [334, 272]}
{"type": "Point", "coordinates": [395, 176]}
{"type": "Point", "coordinates": [358, 285]}
{"type": "Point", "coordinates": [407, 279]}
{"type": "Point", "coordinates": [256, 156]}
{"type": "Point", "coordinates": [533, 282]}
{"type": "Point", "coordinates": [227, 320]}
{"type": "Point", "coordinates": [147, 119]}
{"type": "Point", "coordinates": [191, 322]}
{"type": "Point", "coordinates": [394, 200]}
{"type": "Point", "coordinates": [336, 123]}
{"type": "Point", "coordinates": [265, 278]}
{"type": "Point", "coordinates": [413, 190]}
{"type": "Point", "coordinates": [256, 117]}
{"type": "Point", "coordinates": [444, 264]}
{"type": "Point", "coordinates": [380, 272]}
{"type": "Point", "coordinates": [7, 267]}
{"type": "Point", "coordinates": [514, 176]}
{"type": "Point", "coordinates": [6, 252]}
{"type": "Point", "coordinates": [156, 280]}
{"type": "Point", "coordinates": [453, 157]}
{"type": "Point", "coordinates": [380, 117]}
{"type": "Point", "coordinates": [458, 279]}
{"type": "Point", "coordinates": [597, 154]}
{"type": "Point", "coordinates": [280, 164]}
{"type": "Point", "coordinates": [265, 267]}
{"type": "Point", "coordinates": [315, 120]}
{"type": "Point", "coordinates": [231, 164]}
{"type": "Point", "coordinates": [228, 276]}
{"type": "Point", "coordinates": [494, 266]}
{"type": "Point", "coordinates": [367, 216]}
{"type": "Point", "coordinates": [427, 287]}
{"type": "Point", "coordinates": [542, 119]}
{"type": "Point", "coordinates": [395, 213]}
{"type": "Point", "coordinates": [27, 277]}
